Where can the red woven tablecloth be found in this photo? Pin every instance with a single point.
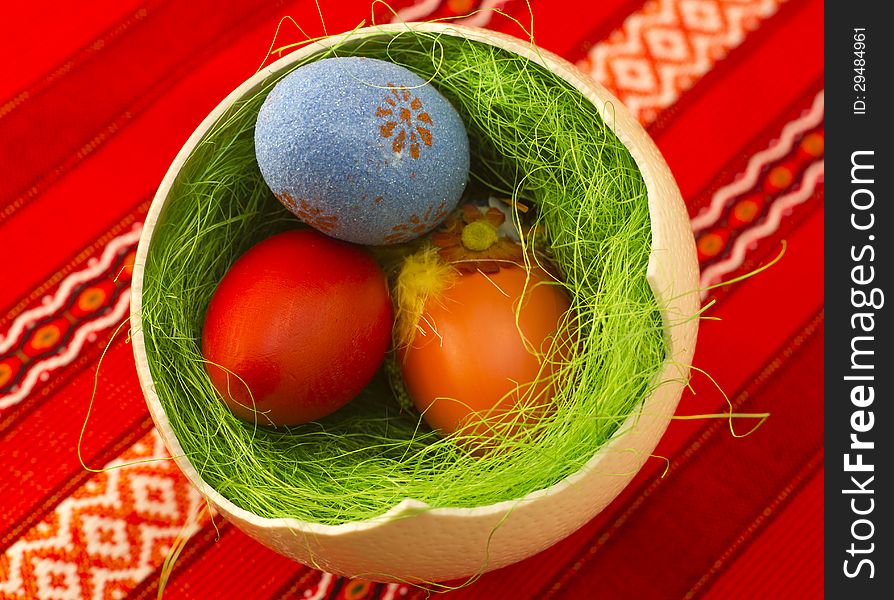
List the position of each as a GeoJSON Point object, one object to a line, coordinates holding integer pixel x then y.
{"type": "Point", "coordinates": [96, 99]}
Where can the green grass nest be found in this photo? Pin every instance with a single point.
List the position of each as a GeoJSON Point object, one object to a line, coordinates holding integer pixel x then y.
{"type": "Point", "coordinates": [534, 138]}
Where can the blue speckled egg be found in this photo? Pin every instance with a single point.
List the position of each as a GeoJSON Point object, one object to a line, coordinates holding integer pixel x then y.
{"type": "Point", "coordinates": [362, 149]}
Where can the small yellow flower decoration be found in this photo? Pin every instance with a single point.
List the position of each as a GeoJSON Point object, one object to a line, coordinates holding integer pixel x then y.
{"type": "Point", "coordinates": [470, 241]}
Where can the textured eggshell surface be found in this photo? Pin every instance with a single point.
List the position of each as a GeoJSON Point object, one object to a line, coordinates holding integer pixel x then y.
{"type": "Point", "coordinates": [413, 541]}
{"type": "Point", "coordinates": [362, 149]}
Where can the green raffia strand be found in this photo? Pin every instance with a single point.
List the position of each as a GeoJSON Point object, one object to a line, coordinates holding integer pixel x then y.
{"type": "Point", "coordinates": [533, 137]}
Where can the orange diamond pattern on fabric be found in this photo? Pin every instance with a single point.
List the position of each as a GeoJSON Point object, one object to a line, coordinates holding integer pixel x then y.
{"type": "Point", "coordinates": [110, 534]}
{"type": "Point", "coordinates": [664, 48]}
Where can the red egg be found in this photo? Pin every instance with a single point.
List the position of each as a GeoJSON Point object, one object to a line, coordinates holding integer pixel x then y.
{"type": "Point", "coordinates": [301, 320]}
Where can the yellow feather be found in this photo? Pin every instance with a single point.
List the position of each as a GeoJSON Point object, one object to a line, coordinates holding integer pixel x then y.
{"type": "Point", "coordinates": [422, 276]}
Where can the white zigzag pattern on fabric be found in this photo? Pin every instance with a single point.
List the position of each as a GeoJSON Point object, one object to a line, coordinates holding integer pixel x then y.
{"type": "Point", "coordinates": [58, 299]}
{"type": "Point", "coordinates": [417, 11]}
{"type": "Point", "coordinates": [480, 17]}
{"type": "Point", "coordinates": [812, 178]}
{"type": "Point", "coordinates": [777, 149]}
{"type": "Point", "coordinates": [483, 14]}
{"type": "Point", "coordinates": [84, 334]}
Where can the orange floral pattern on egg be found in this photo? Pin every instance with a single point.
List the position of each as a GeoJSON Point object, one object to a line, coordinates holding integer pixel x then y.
{"type": "Point", "coordinates": [406, 123]}
{"type": "Point", "coordinates": [308, 213]}
{"type": "Point", "coordinates": [416, 225]}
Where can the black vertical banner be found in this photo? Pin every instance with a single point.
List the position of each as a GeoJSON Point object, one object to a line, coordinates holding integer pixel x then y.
{"type": "Point", "coordinates": [859, 260]}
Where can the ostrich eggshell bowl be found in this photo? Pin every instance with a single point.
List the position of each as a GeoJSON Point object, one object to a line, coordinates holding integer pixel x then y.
{"type": "Point", "coordinates": [412, 541]}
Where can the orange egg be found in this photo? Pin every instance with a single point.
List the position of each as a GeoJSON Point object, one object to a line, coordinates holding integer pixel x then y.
{"type": "Point", "coordinates": [468, 359]}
